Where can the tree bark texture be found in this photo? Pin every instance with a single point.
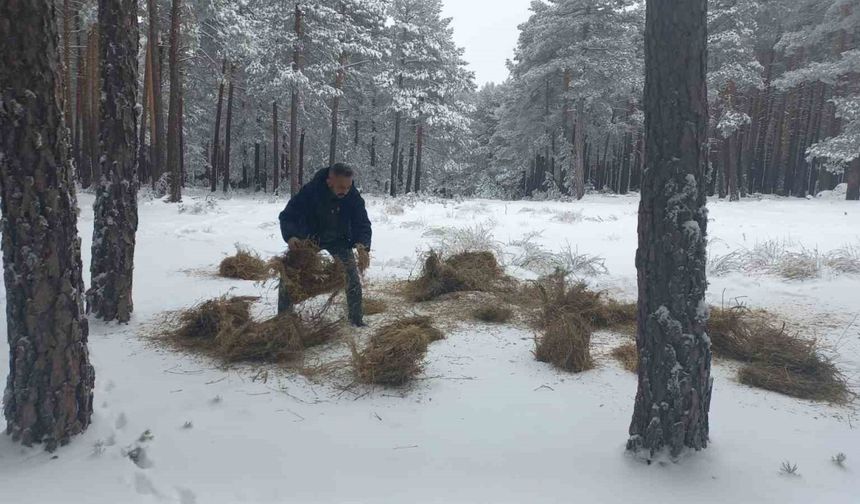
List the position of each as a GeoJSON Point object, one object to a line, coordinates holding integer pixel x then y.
{"type": "Point", "coordinates": [213, 179]}
{"type": "Point", "coordinates": [115, 225]}
{"type": "Point", "coordinates": [158, 160]}
{"type": "Point", "coordinates": [49, 390]}
{"type": "Point", "coordinates": [674, 392]}
{"type": "Point", "coordinates": [174, 118]}
{"type": "Point", "coordinates": [228, 133]}
{"type": "Point", "coordinates": [578, 158]}
{"type": "Point", "coordinates": [276, 172]}
{"type": "Point", "coordinates": [295, 185]}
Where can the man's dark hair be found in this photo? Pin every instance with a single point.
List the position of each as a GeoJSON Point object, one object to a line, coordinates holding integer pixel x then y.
{"type": "Point", "coordinates": [341, 170]}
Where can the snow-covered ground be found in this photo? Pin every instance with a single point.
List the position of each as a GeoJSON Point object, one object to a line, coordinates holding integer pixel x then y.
{"type": "Point", "coordinates": [487, 423]}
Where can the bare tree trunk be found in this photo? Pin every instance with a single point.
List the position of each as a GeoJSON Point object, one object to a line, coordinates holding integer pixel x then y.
{"type": "Point", "coordinates": [174, 119]}
{"type": "Point", "coordinates": [79, 120]}
{"type": "Point", "coordinates": [674, 393]}
{"type": "Point", "coordinates": [158, 152]}
{"type": "Point", "coordinates": [67, 66]}
{"type": "Point", "coordinates": [295, 185]}
{"type": "Point", "coordinates": [276, 175]}
{"type": "Point", "coordinates": [257, 167]}
{"type": "Point", "coordinates": [302, 158]}
{"type": "Point", "coordinates": [228, 133]}
{"type": "Point", "coordinates": [147, 91]}
{"type": "Point", "coordinates": [213, 178]}
{"type": "Point", "coordinates": [419, 152]}
{"type": "Point", "coordinates": [578, 160]}
{"type": "Point", "coordinates": [49, 390]}
{"type": "Point", "coordinates": [335, 107]}
{"type": "Point", "coordinates": [731, 167]}
{"type": "Point", "coordinates": [852, 177]}
{"type": "Point", "coordinates": [410, 171]}
{"type": "Point", "coordinates": [395, 151]}
{"type": "Point", "coordinates": [112, 269]}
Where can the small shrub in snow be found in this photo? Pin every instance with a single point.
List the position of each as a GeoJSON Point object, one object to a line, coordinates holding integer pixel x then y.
{"type": "Point", "coordinates": [537, 259]}
{"type": "Point", "coordinates": [839, 459]}
{"type": "Point", "coordinates": [394, 209]}
{"type": "Point", "coordinates": [455, 240]}
{"type": "Point", "coordinates": [568, 217]}
{"type": "Point", "coordinates": [788, 469]}
{"type": "Point", "coordinates": [786, 260]}
{"type": "Point", "coordinates": [844, 260]}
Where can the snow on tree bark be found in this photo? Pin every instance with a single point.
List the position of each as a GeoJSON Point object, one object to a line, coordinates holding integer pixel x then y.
{"type": "Point", "coordinates": [674, 393]}
{"type": "Point", "coordinates": [115, 224]}
{"type": "Point", "coordinates": [49, 390]}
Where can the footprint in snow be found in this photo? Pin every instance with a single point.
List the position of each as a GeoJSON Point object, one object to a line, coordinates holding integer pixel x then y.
{"type": "Point", "coordinates": [121, 421]}
{"type": "Point", "coordinates": [186, 496]}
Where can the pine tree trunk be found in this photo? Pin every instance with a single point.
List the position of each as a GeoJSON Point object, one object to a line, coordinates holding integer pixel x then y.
{"type": "Point", "coordinates": [257, 167]}
{"type": "Point", "coordinates": [674, 393]}
{"type": "Point", "coordinates": [302, 158]}
{"type": "Point", "coordinates": [731, 166]}
{"type": "Point", "coordinates": [852, 178]}
{"type": "Point", "coordinates": [67, 66]}
{"type": "Point", "coordinates": [419, 153]}
{"type": "Point", "coordinates": [335, 107]}
{"type": "Point", "coordinates": [578, 159]}
{"type": "Point", "coordinates": [112, 269]}
{"type": "Point", "coordinates": [228, 133]}
{"type": "Point", "coordinates": [174, 119]}
{"type": "Point", "coordinates": [395, 152]}
{"type": "Point", "coordinates": [141, 143]}
{"type": "Point", "coordinates": [79, 120]}
{"type": "Point", "coordinates": [276, 173]}
{"type": "Point", "coordinates": [213, 178]}
{"type": "Point", "coordinates": [411, 169]}
{"type": "Point", "coordinates": [295, 185]}
{"type": "Point", "coordinates": [49, 390]}
{"type": "Point", "coordinates": [158, 160]}
{"type": "Point", "coordinates": [373, 135]}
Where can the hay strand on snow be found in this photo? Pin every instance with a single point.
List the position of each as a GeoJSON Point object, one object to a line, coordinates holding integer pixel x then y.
{"type": "Point", "coordinates": [395, 352]}
{"type": "Point", "coordinates": [493, 314]}
{"type": "Point", "coordinates": [628, 356]}
{"type": "Point", "coordinates": [566, 344]}
{"type": "Point", "coordinates": [305, 273]}
{"type": "Point", "coordinates": [467, 271]}
{"type": "Point", "coordinates": [244, 265]}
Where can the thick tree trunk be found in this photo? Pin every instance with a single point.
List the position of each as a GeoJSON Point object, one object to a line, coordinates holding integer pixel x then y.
{"type": "Point", "coordinates": [731, 167]}
{"type": "Point", "coordinates": [276, 173]}
{"type": "Point", "coordinates": [76, 145]}
{"type": "Point", "coordinates": [295, 185]}
{"type": "Point", "coordinates": [228, 133]}
{"type": "Point", "coordinates": [411, 169]}
{"type": "Point", "coordinates": [49, 390]}
{"type": "Point", "coordinates": [158, 160]}
{"type": "Point", "coordinates": [174, 119]}
{"type": "Point", "coordinates": [674, 393]}
{"type": "Point", "coordinates": [67, 66]}
{"type": "Point", "coordinates": [112, 268]}
{"type": "Point", "coordinates": [213, 178]}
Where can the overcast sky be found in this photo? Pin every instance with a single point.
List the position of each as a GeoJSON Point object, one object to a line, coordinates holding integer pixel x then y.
{"type": "Point", "coordinates": [488, 31]}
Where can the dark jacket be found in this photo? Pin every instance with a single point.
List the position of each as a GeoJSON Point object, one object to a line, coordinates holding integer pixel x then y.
{"type": "Point", "coordinates": [316, 213]}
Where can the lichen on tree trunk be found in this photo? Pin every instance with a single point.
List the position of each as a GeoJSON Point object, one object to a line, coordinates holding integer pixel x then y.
{"type": "Point", "coordinates": [115, 225]}
{"type": "Point", "coordinates": [674, 392]}
{"type": "Point", "coordinates": [49, 391]}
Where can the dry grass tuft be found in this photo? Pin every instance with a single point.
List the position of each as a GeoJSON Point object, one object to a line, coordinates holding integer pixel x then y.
{"type": "Point", "coordinates": [395, 352]}
{"type": "Point", "coordinates": [223, 329]}
{"type": "Point", "coordinates": [467, 271]}
{"type": "Point", "coordinates": [307, 274]}
{"type": "Point", "coordinates": [775, 359]}
{"type": "Point", "coordinates": [628, 356]}
{"type": "Point", "coordinates": [595, 308]}
{"type": "Point", "coordinates": [363, 260]}
{"type": "Point", "coordinates": [244, 265]}
{"type": "Point", "coordinates": [374, 306]}
{"type": "Point", "coordinates": [493, 314]}
{"type": "Point", "coordinates": [565, 343]}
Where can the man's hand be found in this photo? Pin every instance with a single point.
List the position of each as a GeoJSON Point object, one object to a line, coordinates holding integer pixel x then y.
{"type": "Point", "coordinates": [293, 242]}
{"type": "Point", "coordinates": [363, 257]}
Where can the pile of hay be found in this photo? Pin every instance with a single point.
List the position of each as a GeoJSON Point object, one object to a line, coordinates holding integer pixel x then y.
{"type": "Point", "coordinates": [493, 314]}
{"type": "Point", "coordinates": [565, 343]}
{"type": "Point", "coordinates": [224, 329]}
{"type": "Point", "coordinates": [244, 265]}
{"type": "Point", "coordinates": [305, 273]}
{"type": "Point", "coordinates": [599, 310]}
{"type": "Point", "coordinates": [395, 352]}
{"type": "Point", "coordinates": [467, 271]}
{"type": "Point", "coordinates": [373, 306]}
{"type": "Point", "coordinates": [363, 258]}
{"type": "Point", "coordinates": [628, 356]}
{"type": "Point", "coordinates": [774, 359]}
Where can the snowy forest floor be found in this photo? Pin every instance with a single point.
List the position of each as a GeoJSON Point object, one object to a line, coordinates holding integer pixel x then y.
{"type": "Point", "coordinates": [486, 423]}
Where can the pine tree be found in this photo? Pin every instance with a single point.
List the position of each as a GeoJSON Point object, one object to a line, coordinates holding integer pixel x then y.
{"type": "Point", "coordinates": [674, 394]}
{"type": "Point", "coordinates": [115, 225]}
{"type": "Point", "coordinates": [49, 391]}
{"type": "Point", "coordinates": [174, 119]}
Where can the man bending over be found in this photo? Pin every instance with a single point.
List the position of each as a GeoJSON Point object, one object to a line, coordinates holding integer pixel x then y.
{"type": "Point", "coordinates": [330, 211]}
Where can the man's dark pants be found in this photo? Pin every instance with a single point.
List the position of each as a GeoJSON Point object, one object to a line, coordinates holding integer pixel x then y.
{"type": "Point", "coordinates": [353, 287]}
